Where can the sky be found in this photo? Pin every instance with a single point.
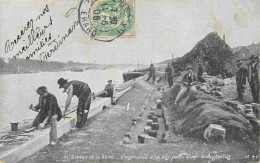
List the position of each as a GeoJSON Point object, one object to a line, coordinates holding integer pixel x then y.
{"type": "Point", "coordinates": [162, 28]}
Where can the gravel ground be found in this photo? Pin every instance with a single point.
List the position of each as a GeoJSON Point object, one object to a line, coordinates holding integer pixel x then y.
{"type": "Point", "coordinates": [101, 140]}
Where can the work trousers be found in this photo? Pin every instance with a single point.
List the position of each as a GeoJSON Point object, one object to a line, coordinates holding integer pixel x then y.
{"type": "Point", "coordinates": [151, 75]}
{"type": "Point", "coordinates": [83, 104]}
{"type": "Point", "coordinates": [183, 90]}
{"type": "Point", "coordinates": [170, 81]}
{"type": "Point", "coordinates": [240, 92]}
{"type": "Point", "coordinates": [254, 85]}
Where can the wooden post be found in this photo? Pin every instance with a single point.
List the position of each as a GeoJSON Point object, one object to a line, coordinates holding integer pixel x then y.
{"type": "Point", "coordinates": [53, 132]}
{"type": "Point", "coordinates": [127, 106]}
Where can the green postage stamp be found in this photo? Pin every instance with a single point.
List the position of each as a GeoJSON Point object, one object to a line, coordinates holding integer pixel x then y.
{"type": "Point", "coordinates": [111, 19]}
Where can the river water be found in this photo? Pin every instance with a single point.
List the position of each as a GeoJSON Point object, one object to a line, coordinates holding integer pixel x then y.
{"type": "Point", "coordinates": [18, 91]}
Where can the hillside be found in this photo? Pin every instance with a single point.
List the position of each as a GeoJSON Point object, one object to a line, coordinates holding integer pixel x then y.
{"type": "Point", "coordinates": [213, 52]}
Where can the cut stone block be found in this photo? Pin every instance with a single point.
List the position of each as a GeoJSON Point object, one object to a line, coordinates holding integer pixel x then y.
{"type": "Point", "coordinates": [138, 118]}
{"type": "Point", "coordinates": [159, 113]}
{"type": "Point", "coordinates": [146, 139]}
{"type": "Point", "coordinates": [147, 129]}
{"type": "Point", "coordinates": [158, 101]}
{"type": "Point", "coordinates": [149, 116]}
{"type": "Point", "coordinates": [152, 133]}
{"type": "Point", "coordinates": [129, 135]}
{"type": "Point", "coordinates": [155, 126]}
{"type": "Point", "coordinates": [153, 108]}
{"type": "Point", "coordinates": [126, 140]}
{"type": "Point", "coordinates": [155, 119]}
{"type": "Point", "coordinates": [149, 122]}
{"type": "Point", "coordinates": [134, 122]}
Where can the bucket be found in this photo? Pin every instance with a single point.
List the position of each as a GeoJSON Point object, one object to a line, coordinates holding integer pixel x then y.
{"type": "Point", "coordinates": [14, 126]}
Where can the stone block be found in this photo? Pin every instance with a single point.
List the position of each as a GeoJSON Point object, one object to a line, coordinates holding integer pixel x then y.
{"type": "Point", "coordinates": [155, 119]}
{"type": "Point", "coordinates": [153, 108]}
{"type": "Point", "coordinates": [155, 126]}
{"type": "Point", "coordinates": [126, 140]}
{"type": "Point", "coordinates": [149, 116]}
{"type": "Point", "coordinates": [146, 139]}
{"type": "Point", "coordinates": [159, 113]}
{"type": "Point", "coordinates": [147, 129]}
{"type": "Point", "coordinates": [149, 122]}
{"type": "Point", "coordinates": [152, 133]}
{"type": "Point", "coordinates": [129, 135]}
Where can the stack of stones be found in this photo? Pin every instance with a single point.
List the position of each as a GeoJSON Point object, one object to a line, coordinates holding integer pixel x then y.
{"type": "Point", "coordinates": [249, 111]}
{"type": "Point", "coordinates": [152, 125]}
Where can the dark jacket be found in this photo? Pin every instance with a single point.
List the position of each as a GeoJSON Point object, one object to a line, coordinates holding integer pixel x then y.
{"type": "Point", "coordinates": [168, 71]}
{"type": "Point", "coordinates": [200, 70]}
{"type": "Point", "coordinates": [253, 72]}
{"type": "Point", "coordinates": [109, 89]}
{"type": "Point", "coordinates": [241, 76]}
{"type": "Point", "coordinates": [152, 71]}
{"type": "Point", "coordinates": [48, 105]}
{"type": "Point", "coordinates": [189, 79]}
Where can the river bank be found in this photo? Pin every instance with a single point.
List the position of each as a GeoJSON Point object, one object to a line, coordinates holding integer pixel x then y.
{"type": "Point", "coordinates": [102, 139]}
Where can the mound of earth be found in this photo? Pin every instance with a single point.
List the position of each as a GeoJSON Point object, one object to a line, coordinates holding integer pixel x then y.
{"type": "Point", "coordinates": [196, 111]}
{"type": "Point", "coordinates": [214, 53]}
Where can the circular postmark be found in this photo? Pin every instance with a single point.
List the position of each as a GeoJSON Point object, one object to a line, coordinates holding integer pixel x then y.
{"type": "Point", "coordinates": [106, 20]}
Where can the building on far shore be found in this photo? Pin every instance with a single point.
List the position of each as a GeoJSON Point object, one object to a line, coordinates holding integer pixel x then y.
{"type": "Point", "coordinates": [243, 53]}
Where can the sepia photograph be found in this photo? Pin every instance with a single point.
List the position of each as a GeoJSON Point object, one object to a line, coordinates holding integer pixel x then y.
{"type": "Point", "coordinates": [130, 81]}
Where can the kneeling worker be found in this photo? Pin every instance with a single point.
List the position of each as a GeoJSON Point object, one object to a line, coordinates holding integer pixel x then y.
{"type": "Point", "coordinates": [188, 83]}
{"type": "Point", "coordinates": [83, 92]}
{"type": "Point", "coordinates": [48, 107]}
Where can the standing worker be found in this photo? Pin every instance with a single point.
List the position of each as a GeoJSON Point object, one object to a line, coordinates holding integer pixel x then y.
{"type": "Point", "coordinates": [48, 107]}
{"type": "Point", "coordinates": [253, 78]}
{"type": "Point", "coordinates": [189, 81]}
{"type": "Point", "coordinates": [83, 92]}
{"type": "Point", "coordinates": [151, 73]}
{"type": "Point", "coordinates": [169, 75]}
{"type": "Point", "coordinates": [200, 73]}
{"type": "Point", "coordinates": [241, 76]}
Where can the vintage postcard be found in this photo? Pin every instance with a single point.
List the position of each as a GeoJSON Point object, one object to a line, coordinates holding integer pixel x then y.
{"type": "Point", "coordinates": [129, 81]}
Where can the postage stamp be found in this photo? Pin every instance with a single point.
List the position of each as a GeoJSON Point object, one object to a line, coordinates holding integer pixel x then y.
{"type": "Point", "coordinates": [106, 20]}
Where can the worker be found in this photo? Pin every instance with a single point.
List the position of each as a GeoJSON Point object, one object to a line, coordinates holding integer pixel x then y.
{"type": "Point", "coordinates": [200, 73]}
{"type": "Point", "coordinates": [241, 76]}
{"type": "Point", "coordinates": [83, 92]}
{"type": "Point", "coordinates": [169, 74]}
{"type": "Point", "coordinates": [151, 73]}
{"type": "Point", "coordinates": [253, 77]}
{"type": "Point", "coordinates": [189, 81]}
{"type": "Point", "coordinates": [47, 107]}
{"type": "Point", "coordinates": [109, 89]}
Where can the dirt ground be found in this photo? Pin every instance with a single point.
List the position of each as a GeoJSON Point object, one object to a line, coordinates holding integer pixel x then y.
{"type": "Point", "coordinates": [101, 140]}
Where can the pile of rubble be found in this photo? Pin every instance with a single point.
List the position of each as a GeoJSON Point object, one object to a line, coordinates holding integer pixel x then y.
{"type": "Point", "coordinates": [213, 85]}
{"type": "Point", "coordinates": [207, 117]}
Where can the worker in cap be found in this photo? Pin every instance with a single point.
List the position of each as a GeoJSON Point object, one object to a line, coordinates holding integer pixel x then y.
{"type": "Point", "coordinates": [151, 73]}
{"type": "Point", "coordinates": [47, 107]}
{"type": "Point", "coordinates": [108, 90]}
{"type": "Point", "coordinates": [253, 77]}
{"type": "Point", "coordinates": [169, 74]}
{"type": "Point", "coordinates": [241, 76]}
{"type": "Point", "coordinates": [188, 83]}
{"type": "Point", "coordinates": [83, 92]}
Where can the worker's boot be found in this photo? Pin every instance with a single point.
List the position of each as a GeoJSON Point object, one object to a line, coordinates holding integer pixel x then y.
{"type": "Point", "coordinates": [79, 120]}
{"type": "Point", "coordinates": [85, 117]}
